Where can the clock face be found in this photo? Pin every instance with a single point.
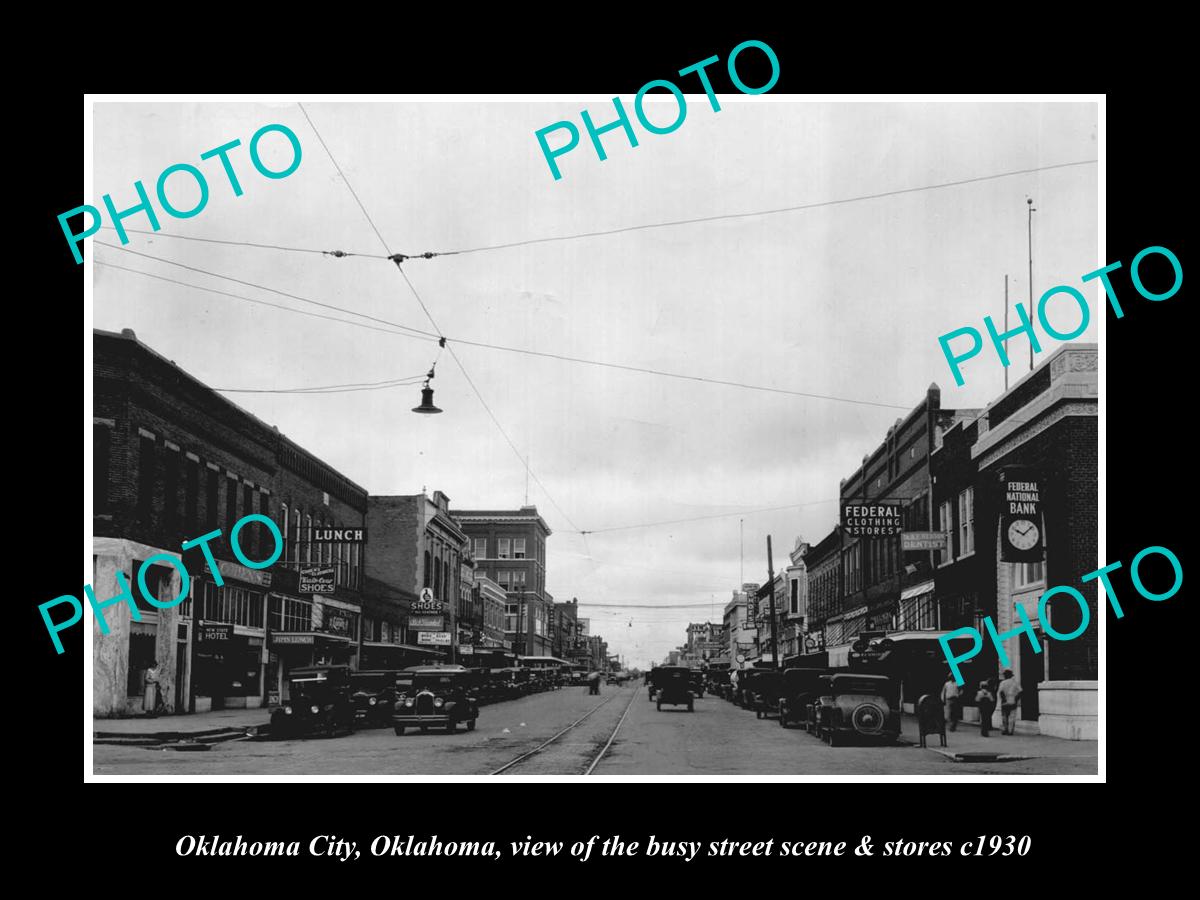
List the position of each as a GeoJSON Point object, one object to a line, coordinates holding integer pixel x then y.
{"type": "Point", "coordinates": [1023, 534]}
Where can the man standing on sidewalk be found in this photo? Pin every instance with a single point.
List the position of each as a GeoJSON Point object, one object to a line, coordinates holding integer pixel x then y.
{"type": "Point", "coordinates": [951, 698]}
{"type": "Point", "coordinates": [1010, 696]}
{"type": "Point", "coordinates": [986, 701]}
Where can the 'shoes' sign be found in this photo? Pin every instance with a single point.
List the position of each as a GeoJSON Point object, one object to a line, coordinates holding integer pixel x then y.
{"type": "Point", "coordinates": [876, 520]}
{"type": "Point", "coordinates": [316, 580]}
{"type": "Point", "coordinates": [1021, 515]}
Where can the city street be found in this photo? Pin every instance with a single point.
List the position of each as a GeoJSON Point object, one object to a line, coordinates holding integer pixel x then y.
{"type": "Point", "coordinates": [717, 739]}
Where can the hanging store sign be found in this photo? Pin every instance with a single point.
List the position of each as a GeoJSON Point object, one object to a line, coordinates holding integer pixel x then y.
{"type": "Point", "coordinates": [234, 572]}
{"type": "Point", "coordinates": [426, 623]}
{"type": "Point", "coordinates": [872, 520]}
{"type": "Point", "coordinates": [437, 638]}
{"type": "Point", "coordinates": [427, 603]}
{"type": "Point", "coordinates": [339, 535]}
{"type": "Point", "coordinates": [208, 633]}
{"type": "Point", "coordinates": [1021, 527]}
{"type": "Point", "coordinates": [467, 649]}
{"type": "Point", "coordinates": [279, 639]}
{"type": "Point", "coordinates": [923, 540]}
{"type": "Point", "coordinates": [316, 580]}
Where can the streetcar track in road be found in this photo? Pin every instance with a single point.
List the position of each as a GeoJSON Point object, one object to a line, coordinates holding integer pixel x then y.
{"type": "Point", "coordinates": [556, 737]}
{"type": "Point", "coordinates": [612, 737]}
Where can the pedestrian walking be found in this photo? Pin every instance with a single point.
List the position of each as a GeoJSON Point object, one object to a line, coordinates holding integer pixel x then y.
{"type": "Point", "coordinates": [1010, 696]}
{"type": "Point", "coordinates": [986, 701]}
{"type": "Point", "coordinates": [594, 683]}
{"type": "Point", "coordinates": [150, 701]}
{"type": "Point", "coordinates": [952, 701]}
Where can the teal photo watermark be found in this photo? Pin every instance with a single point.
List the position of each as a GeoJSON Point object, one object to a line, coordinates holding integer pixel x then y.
{"type": "Point", "coordinates": [186, 170]}
{"type": "Point", "coordinates": [999, 339]}
{"type": "Point", "coordinates": [1026, 627]}
{"type": "Point", "coordinates": [622, 120]}
{"type": "Point", "coordinates": [185, 580]}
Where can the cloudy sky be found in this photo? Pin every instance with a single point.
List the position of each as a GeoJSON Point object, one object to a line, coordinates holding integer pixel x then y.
{"type": "Point", "coordinates": [843, 300]}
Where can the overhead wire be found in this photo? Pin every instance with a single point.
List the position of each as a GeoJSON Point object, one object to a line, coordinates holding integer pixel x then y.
{"type": "Point", "coordinates": [329, 388]}
{"type": "Point", "coordinates": [429, 316]}
{"type": "Point", "coordinates": [187, 237]}
{"type": "Point", "coordinates": [427, 335]}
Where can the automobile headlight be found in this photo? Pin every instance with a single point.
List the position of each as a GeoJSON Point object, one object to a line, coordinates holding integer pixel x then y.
{"type": "Point", "coordinates": [287, 710]}
{"type": "Point", "coordinates": [408, 701]}
{"type": "Point", "coordinates": [371, 702]}
{"type": "Point", "coordinates": [438, 702]}
{"type": "Point", "coordinates": [315, 710]}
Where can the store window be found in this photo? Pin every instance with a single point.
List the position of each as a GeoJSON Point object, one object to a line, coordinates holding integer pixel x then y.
{"type": "Point", "coordinates": [288, 614]}
{"type": "Point", "coordinates": [966, 522]}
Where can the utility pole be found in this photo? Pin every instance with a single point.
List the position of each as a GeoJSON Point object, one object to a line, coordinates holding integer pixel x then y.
{"type": "Point", "coordinates": [771, 590]}
{"type": "Point", "coordinates": [1032, 210]}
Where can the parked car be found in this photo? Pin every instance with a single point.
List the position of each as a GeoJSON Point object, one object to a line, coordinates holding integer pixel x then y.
{"type": "Point", "coordinates": [696, 677]}
{"type": "Point", "coordinates": [743, 694]}
{"type": "Point", "coordinates": [858, 707]}
{"type": "Point", "coordinates": [374, 695]}
{"type": "Point", "coordinates": [797, 691]}
{"type": "Point", "coordinates": [318, 703]}
{"type": "Point", "coordinates": [509, 683]}
{"type": "Point", "coordinates": [718, 682]}
{"type": "Point", "coordinates": [439, 696]}
{"type": "Point", "coordinates": [673, 686]}
{"type": "Point", "coordinates": [762, 693]}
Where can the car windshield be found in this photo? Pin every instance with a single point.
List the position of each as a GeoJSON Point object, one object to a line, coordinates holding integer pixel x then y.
{"type": "Point", "coordinates": [860, 686]}
{"type": "Point", "coordinates": [434, 682]}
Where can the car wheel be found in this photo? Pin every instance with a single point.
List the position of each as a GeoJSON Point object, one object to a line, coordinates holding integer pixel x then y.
{"type": "Point", "coordinates": [758, 714]}
{"type": "Point", "coordinates": [782, 720]}
{"type": "Point", "coordinates": [470, 724]}
{"type": "Point", "coordinates": [659, 706]}
{"type": "Point", "coordinates": [834, 739]}
{"type": "Point", "coordinates": [399, 729]}
{"type": "Point", "coordinates": [451, 727]}
{"type": "Point", "coordinates": [691, 706]}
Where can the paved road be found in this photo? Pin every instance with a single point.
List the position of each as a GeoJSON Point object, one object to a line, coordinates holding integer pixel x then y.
{"type": "Point", "coordinates": [717, 739]}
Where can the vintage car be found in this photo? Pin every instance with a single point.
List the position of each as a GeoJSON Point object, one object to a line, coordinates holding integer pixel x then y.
{"type": "Point", "coordinates": [440, 696]}
{"type": "Point", "coordinates": [318, 703]}
{"type": "Point", "coordinates": [744, 692]}
{"type": "Point", "coordinates": [762, 693]}
{"type": "Point", "coordinates": [697, 679]}
{"type": "Point", "coordinates": [374, 694]}
{"type": "Point", "coordinates": [509, 683]}
{"type": "Point", "coordinates": [797, 691]}
{"type": "Point", "coordinates": [861, 707]}
{"type": "Point", "coordinates": [613, 678]}
{"type": "Point", "coordinates": [718, 682]}
{"type": "Point", "coordinates": [650, 680]}
{"type": "Point", "coordinates": [673, 686]}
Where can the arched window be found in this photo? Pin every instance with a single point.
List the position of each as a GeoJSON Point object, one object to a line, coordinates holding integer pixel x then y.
{"type": "Point", "coordinates": [446, 580]}
{"type": "Point", "coordinates": [437, 580]}
{"type": "Point", "coordinates": [428, 574]}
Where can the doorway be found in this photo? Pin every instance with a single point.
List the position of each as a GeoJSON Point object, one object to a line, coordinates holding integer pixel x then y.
{"type": "Point", "coordinates": [1033, 672]}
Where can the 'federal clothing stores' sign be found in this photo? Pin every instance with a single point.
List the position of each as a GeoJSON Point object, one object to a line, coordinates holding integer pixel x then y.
{"type": "Point", "coordinates": [1021, 526]}
{"type": "Point", "coordinates": [872, 519]}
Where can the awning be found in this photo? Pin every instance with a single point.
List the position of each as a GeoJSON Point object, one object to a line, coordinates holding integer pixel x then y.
{"type": "Point", "coordinates": [916, 590]}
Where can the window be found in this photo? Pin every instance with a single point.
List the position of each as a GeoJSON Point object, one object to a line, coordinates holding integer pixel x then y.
{"type": "Point", "coordinates": [231, 486]}
{"type": "Point", "coordinates": [290, 615]}
{"type": "Point", "coordinates": [265, 544]}
{"type": "Point", "coordinates": [171, 493]}
{"type": "Point", "coordinates": [518, 579]}
{"type": "Point", "coordinates": [428, 577]}
{"type": "Point", "coordinates": [191, 497]}
{"type": "Point", "coordinates": [308, 539]}
{"type": "Point", "coordinates": [211, 500]}
{"type": "Point", "coordinates": [945, 523]}
{"type": "Point", "coordinates": [437, 579]}
{"type": "Point", "coordinates": [966, 522]}
{"type": "Point", "coordinates": [481, 548]}
{"type": "Point", "coordinates": [446, 583]}
{"type": "Point", "coordinates": [145, 495]}
{"type": "Point", "coordinates": [100, 463]}
{"type": "Point", "coordinates": [232, 605]}
{"type": "Point", "coordinates": [1029, 573]}
{"type": "Point", "coordinates": [518, 548]}
{"type": "Point", "coordinates": [795, 599]}
{"type": "Point", "coordinates": [505, 552]}
{"type": "Point", "coordinates": [504, 579]}
{"type": "Point", "coordinates": [287, 532]}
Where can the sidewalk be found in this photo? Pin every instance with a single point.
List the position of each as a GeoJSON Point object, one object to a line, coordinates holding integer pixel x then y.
{"type": "Point", "coordinates": [222, 724]}
{"type": "Point", "coordinates": [966, 745]}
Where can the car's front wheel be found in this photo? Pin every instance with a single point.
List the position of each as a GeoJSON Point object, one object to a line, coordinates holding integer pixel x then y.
{"type": "Point", "coordinates": [451, 727]}
{"type": "Point", "coordinates": [399, 729]}
{"type": "Point", "coordinates": [470, 724]}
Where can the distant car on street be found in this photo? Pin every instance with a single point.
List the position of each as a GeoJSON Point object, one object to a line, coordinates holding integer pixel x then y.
{"type": "Point", "coordinates": [673, 686]}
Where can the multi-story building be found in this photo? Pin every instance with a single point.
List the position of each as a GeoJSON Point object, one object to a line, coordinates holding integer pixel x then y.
{"type": "Point", "coordinates": [1040, 439]}
{"type": "Point", "coordinates": [509, 546]}
{"type": "Point", "coordinates": [823, 563]}
{"type": "Point", "coordinates": [885, 588]}
{"type": "Point", "coordinates": [795, 601]}
{"type": "Point", "coordinates": [739, 626]}
{"type": "Point", "coordinates": [564, 629]}
{"type": "Point", "coordinates": [492, 601]}
{"type": "Point", "coordinates": [465, 618]}
{"type": "Point", "coordinates": [417, 545]}
{"type": "Point", "coordinates": [173, 461]}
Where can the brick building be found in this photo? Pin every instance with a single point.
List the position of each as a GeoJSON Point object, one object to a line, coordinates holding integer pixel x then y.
{"type": "Point", "coordinates": [509, 547]}
{"type": "Point", "coordinates": [823, 563]}
{"type": "Point", "coordinates": [174, 460]}
{"type": "Point", "coordinates": [416, 543]}
{"type": "Point", "coordinates": [491, 603]}
{"type": "Point", "coordinates": [1046, 424]}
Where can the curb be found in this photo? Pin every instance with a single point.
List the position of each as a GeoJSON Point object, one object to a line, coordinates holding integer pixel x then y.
{"type": "Point", "coordinates": [191, 738]}
{"type": "Point", "coordinates": [977, 756]}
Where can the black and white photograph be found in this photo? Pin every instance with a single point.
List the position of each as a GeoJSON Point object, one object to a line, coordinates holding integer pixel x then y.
{"type": "Point", "coordinates": [691, 433]}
